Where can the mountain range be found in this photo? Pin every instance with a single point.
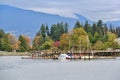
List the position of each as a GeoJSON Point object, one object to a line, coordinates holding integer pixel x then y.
{"type": "Point", "coordinates": [20, 21]}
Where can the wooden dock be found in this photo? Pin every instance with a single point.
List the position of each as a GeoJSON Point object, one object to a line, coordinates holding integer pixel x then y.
{"type": "Point", "coordinates": [101, 54]}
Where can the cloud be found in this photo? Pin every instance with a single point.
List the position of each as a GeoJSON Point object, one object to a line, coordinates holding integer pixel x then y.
{"type": "Point", "coordinates": [93, 9]}
{"type": "Point", "coordinates": [61, 12]}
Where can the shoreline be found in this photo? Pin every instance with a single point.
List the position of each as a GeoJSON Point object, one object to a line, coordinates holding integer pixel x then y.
{"type": "Point", "coordinates": [14, 53]}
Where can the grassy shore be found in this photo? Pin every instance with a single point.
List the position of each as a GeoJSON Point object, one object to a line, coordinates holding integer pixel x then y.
{"type": "Point", "coordinates": [2, 53]}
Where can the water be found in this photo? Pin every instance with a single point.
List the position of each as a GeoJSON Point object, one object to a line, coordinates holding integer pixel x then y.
{"type": "Point", "coordinates": [15, 68]}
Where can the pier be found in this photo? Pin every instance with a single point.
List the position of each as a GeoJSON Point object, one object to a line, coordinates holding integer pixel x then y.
{"type": "Point", "coordinates": [107, 54]}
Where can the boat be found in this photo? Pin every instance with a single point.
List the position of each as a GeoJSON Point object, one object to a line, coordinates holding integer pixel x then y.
{"type": "Point", "coordinates": [64, 57]}
{"type": "Point", "coordinates": [87, 57]}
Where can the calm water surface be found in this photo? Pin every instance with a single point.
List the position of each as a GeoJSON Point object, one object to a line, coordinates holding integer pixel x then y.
{"type": "Point", "coordinates": [15, 68]}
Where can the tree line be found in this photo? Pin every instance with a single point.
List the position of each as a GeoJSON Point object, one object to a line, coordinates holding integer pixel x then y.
{"type": "Point", "coordinates": [8, 42]}
{"type": "Point", "coordinates": [58, 36]}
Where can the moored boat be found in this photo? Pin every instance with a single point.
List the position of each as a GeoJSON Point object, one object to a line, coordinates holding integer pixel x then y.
{"type": "Point", "coordinates": [64, 57]}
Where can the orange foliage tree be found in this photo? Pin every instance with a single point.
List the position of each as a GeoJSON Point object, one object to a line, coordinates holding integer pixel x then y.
{"type": "Point", "coordinates": [64, 41]}
{"type": "Point", "coordinates": [27, 40]}
{"type": "Point", "coordinates": [13, 41]}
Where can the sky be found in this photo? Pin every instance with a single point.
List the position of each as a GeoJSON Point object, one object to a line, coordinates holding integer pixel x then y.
{"type": "Point", "coordinates": [106, 10]}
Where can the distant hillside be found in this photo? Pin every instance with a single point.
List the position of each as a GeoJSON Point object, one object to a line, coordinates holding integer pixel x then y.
{"type": "Point", "coordinates": [113, 23]}
{"type": "Point", "coordinates": [28, 22]}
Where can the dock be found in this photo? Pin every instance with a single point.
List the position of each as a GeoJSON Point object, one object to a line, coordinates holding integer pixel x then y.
{"type": "Point", "coordinates": [101, 54]}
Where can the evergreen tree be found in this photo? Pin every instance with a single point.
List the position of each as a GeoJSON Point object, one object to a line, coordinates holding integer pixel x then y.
{"type": "Point", "coordinates": [100, 27]}
{"type": "Point", "coordinates": [105, 29]}
{"type": "Point", "coordinates": [112, 29]}
{"type": "Point", "coordinates": [47, 30]}
{"type": "Point", "coordinates": [57, 30]}
{"type": "Point", "coordinates": [118, 31]}
{"type": "Point", "coordinates": [23, 44]}
{"type": "Point", "coordinates": [54, 32]}
{"type": "Point", "coordinates": [97, 36]}
{"type": "Point", "coordinates": [94, 27]}
{"type": "Point", "coordinates": [87, 27]}
{"type": "Point", "coordinates": [66, 27]}
{"type": "Point", "coordinates": [2, 33]}
{"type": "Point", "coordinates": [43, 31]}
{"type": "Point", "coordinates": [5, 44]}
{"type": "Point", "coordinates": [99, 23]}
{"type": "Point", "coordinates": [78, 25]}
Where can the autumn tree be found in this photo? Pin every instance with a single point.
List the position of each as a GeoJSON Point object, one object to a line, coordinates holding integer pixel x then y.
{"type": "Point", "coordinates": [13, 41]}
{"type": "Point", "coordinates": [111, 43]}
{"type": "Point", "coordinates": [37, 42]}
{"type": "Point", "coordinates": [99, 45]}
{"type": "Point", "coordinates": [65, 42]}
{"type": "Point", "coordinates": [4, 42]}
{"type": "Point", "coordinates": [79, 38]}
{"type": "Point", "coordinates": [47, 44]}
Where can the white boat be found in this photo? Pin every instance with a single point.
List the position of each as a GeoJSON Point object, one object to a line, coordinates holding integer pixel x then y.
{"type": "Point", "coordinates": [63, 57]}
{"type": "Point", "coordinates": [91, 57]}
{"type": "Point", "coordinates": [87, 57]}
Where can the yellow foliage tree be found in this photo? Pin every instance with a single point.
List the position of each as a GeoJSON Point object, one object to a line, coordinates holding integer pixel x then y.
{"type": "Point", "coordinates": [99, 45]}
{"type": "Point", "coordinates": [111, 43]}
{"type": "Point", "coordinates": [79, 38]}
{"type": "Point", "coordinates": [76, 40]}
{"type": "Point", "coordinates": [111, 36]}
